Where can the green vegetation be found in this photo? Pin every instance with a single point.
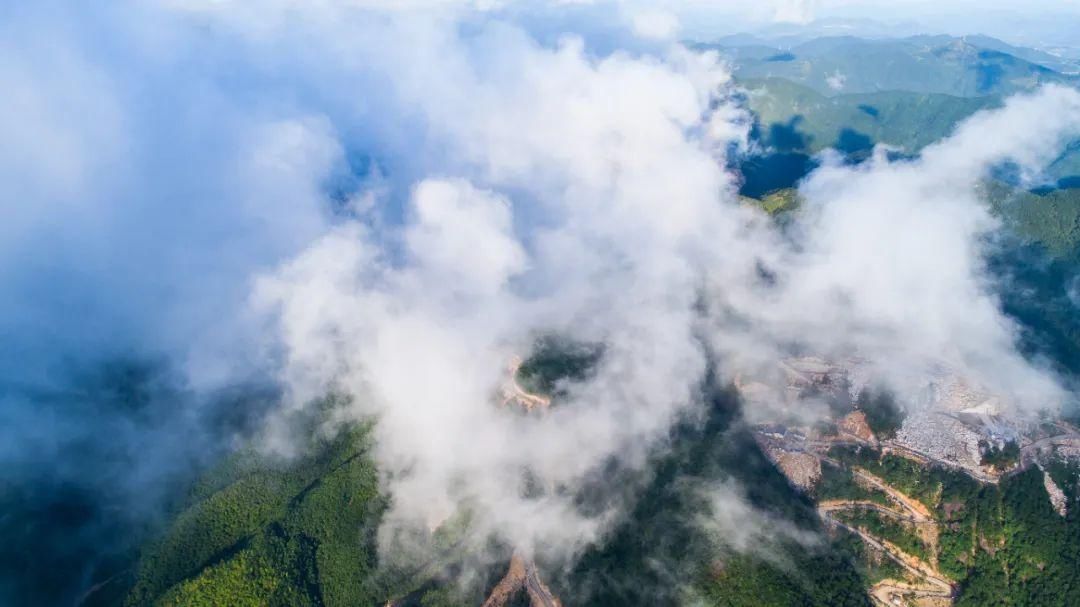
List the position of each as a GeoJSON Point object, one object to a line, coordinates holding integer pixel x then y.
{"type": "Point", "coordinates": [959, 67]}
{"type": "Point", "coordinates": [1003, 457]}
{"type": "Point", "coordinates": [781, 201]}
{"type": "Point", "coordinates": [554, 360]}
{"type": "Point", "coordinates": [1049, 218]}
{"type": "Point", "coordinates": [829, 579]}
{"type": "Point", "coordinates": [795, 118]}
{"type": "Point", "coordinates": [1022, 552]}
{"type": "Point", "coordinates": [1037, 268]}
{"type": "Point", "coordinates": [311, 522]}
{"type": "Point", "coordinates": [838, 483]}
{"type": "Point", "coordinates": [886, 527]}
{"type": "Point", "coordinates": [1004, 544]}
{"type": "Point", "coordinates": [663, 539]}
{"type": "Point", "coordinates": [264, 530]}
{"type": "Point", "coordinates": [245, 580]}
{"type": "Point", "coordinates": [871, 563]}
{"type": "Point", "coordinates": [883, 415]}
{"type": "Point", "coordinates": [926, 484]}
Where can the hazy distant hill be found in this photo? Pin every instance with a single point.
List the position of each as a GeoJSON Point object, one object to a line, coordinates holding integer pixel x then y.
{"type": "Point", "coordinates": [796, 117]}
{"type": "Point", "coordinates": [965, 67]}
{"type": "Point", "coordinates": [793, 122]}
{"type": "Point", "coordinates": [1060, 63]}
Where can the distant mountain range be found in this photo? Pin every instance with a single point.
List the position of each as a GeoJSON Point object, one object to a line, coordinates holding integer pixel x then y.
{"type": "Point", "coordinates": [971, 66]}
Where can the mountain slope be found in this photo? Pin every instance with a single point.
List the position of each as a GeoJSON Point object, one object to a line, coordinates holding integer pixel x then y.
{"type": "Point", "coordinates": [793, 117]}
{"type": "Point", "coordinates": [926, 64]}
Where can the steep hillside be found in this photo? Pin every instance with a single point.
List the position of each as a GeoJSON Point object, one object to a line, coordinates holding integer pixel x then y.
{"type": "Point", "coordinates": [258, 531]}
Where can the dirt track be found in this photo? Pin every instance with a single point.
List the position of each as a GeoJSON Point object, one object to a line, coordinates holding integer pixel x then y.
{"type": "Point", "coordinates": [513, 392]}
{"type": "Point", "coordinates": [935, 588]}
{"type": "Point", "coordinates": [521, 574]}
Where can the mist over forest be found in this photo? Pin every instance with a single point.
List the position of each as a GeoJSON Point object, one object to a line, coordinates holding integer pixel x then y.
{"type": "Point", "coordinates": [591, 303]}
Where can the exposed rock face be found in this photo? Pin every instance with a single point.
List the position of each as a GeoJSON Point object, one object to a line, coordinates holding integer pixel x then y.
{"type": "Point", "coordinates": [1057, 496]}
{"type": "Point", "coordinates": [801, 469]}
{"type": "Point", "coordinates": [954, 393]}
{"type": "Point", "coordinates": [941, 437]}
{"type": "Point", "coordinates": [812, 373]}
{"type": "Point", "coordinates": [786, 386]}
{"type": "Point", "coordinates": [855, 424]}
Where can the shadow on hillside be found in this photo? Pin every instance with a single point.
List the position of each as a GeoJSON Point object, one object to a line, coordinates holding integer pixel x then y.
{"type": "Point", "coordinates": [764, 174]}
{"type": "Point", "coordinates": [789, 158]}
{"type": "Point", "coordinates": [780, 57]}
{"type": "Point", "coordinates": [1065, 183]}
{"type": "Point", "coordinates": [786, 136]}
{"type": "Point", "coordinates": [988, 77]}
{"type": "Point", "coordinates": [852, 142]}
{"type": "Point", "coordinates": [787, 162]}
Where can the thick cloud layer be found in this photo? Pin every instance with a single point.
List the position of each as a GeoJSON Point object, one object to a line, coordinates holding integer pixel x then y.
{"type": "Point", "coordinates": [587, 196]}
{"type": "Point", "coordinates": [394, 204]}
{"type": "Point", "coordinates": [613, 170]}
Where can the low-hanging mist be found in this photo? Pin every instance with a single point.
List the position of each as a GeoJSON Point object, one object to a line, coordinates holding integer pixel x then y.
{"type": "Point", "coordinates": [587, 196]}
{"type": "Point", "coordinates": [392, 205]}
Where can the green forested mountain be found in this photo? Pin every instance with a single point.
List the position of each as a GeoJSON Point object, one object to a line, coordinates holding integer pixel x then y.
{"type": "Point", "coordinates": [962, 67]}
{"type": "Point", "coordinates": [257, 531]}
{"type": "Point", "coordinates": [795, 117]}
{"type": "Point", "coordinates": [792, 122]}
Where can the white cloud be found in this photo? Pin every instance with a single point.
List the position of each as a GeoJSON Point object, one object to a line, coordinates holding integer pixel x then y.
{"type": "Point", "coordinates": [622, 218]}
{"type": "Point", "coordinates": [890, 266]}
{"type": "Point", "coordinates": [621, 202]}
{"type": "Point", "coordinates": [795, 11]}
{"type": "Point", "coordinates": [516, 188]}
{"type": "Point", "coordinates": [836, 80]}
{"type": "Point", "coordinates": [658, 24]}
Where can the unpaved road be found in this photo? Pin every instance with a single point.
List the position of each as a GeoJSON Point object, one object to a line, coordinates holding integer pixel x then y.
{"type": "Point", "coordinates": [513, 392]}
{"type": "Point", "coordinates": [521, 574]}
{"type": "Point", "coordinates": [539, 594]}
{"type": "Point", "coordinates": [916, 508]}
{"type": "Point", "coordinates": [835, 505]}
{"type": "Point", "coordinates": [935, 587]}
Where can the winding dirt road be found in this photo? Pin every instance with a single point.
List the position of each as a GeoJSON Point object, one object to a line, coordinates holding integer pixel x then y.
{"type": "Point", "coordinates": [934, 588]}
